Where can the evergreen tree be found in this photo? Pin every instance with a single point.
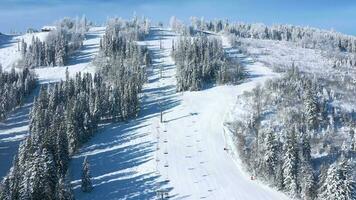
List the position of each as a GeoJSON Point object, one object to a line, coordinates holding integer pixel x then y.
{"type": "Point", "coordinates": [63, 191]}
{"type": "Point", "coordinates": [271, 155]}
{"type": "Point", "coordinates": [291, 164]}
{"type": "Point", "coordinates": [86, 177]}
{"type": "Point", "coordinates": [347, 189]}
{"type": "Point", "coordinates": [338, 183]}
{"type": "Point", "coordinates": [311, 108]}
{"type": "Point", "coordinates": [5, 190]}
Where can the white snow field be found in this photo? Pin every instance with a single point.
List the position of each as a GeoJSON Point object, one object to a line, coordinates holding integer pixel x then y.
{"type": "Point", "coordinates": [15, 128]}
{"type": "Point", "coordinates": [184, 156]}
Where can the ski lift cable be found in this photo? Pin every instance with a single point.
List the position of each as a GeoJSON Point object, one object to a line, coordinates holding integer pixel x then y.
{"type": "Point", "coordinates": [207, 182]}
{"type": "Point", "coordinates": [157, 150]}
{"type": "Point", "coordinates": [157, 156]}
{"type": "Point", "coordinates": [204, 170]}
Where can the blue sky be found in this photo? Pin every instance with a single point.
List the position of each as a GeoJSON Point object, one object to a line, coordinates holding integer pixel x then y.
{"type": "Point", "coordinates": [339, 15]}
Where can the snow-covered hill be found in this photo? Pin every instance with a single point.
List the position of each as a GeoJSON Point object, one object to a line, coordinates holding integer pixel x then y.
{"type": "Point", "coordinates": [183, 156]}
{"type": "Point", "coordinates": [15, 128]}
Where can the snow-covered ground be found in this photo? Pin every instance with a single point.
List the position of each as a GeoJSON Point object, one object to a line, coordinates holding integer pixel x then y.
{"type": "Point", "coordinates": [185, 155]}
{"type": "Point", "coordinates": [15, 128]}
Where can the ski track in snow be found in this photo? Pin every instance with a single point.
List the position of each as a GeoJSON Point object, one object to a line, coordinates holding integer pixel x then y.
{"type": "Point", "coordinates": [183, 156]}
{"type": "Point", "coordinates": [15, 128]}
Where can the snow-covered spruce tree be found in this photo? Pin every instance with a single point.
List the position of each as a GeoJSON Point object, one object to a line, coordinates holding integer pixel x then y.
{"type": "Point", "coordinates": [291, 162]}
{"type": "Point", "coordinates": [271, 156]}
{"type": "Point", "coordinates": [63, 192]}
{"type": "Point", "coordinates": [307, 179]}
{"type": "Point", "coordinates": [329, 189]}
{"type": "Point", "coordinates": [86, 177]}
{"type": "Point", "coordinates": [338, 183]}
{"type": "Point", "coordinates": [311, 107]}
{"type": "Point", "coordinates": [348, 187]}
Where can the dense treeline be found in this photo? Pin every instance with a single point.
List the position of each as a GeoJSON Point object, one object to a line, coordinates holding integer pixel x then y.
{"type": "Point", "coordinates": [123, 63]}
{"type": "Point", "coordinates": [202, 60]}
{"type": "Point", "coordinates": [14, 87]}
{"type": "Point", "coordinates": [58, 45]}
{"type": "Point", "coordinates": [294, 138]}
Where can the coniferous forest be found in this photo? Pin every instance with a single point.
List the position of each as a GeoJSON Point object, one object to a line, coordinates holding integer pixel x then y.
{"type": "Point", "coordinates": [66, 114]}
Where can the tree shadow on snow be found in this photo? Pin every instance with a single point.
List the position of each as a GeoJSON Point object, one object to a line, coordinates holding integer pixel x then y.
{"type": "Point", "coordinates": [7, 40]}
{"type": "Point", "coordinates": [112, 155]}
{"type": "Point", "coordinates": [84, 54]}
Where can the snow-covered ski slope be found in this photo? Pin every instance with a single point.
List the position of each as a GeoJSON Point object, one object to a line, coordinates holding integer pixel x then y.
{"type": "Point", "coordinates": [15, 128]}
{"type": "Point", "coordinates": [183, 156]}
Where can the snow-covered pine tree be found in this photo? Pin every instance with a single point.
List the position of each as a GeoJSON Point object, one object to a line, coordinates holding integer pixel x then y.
{"type": "Point", "coordinates": [63, 190]}
{"type": "Point", "coordinates": [271, 155]}
{"type": "Point", "coordinates": [307, 180]}
{"type": "Point", "coordinates": [86, 177]}
{"type": "Point", "coordinates": [329, 189]}
{"type": "Point", "coordinates": [311, 108]}
{"type": "Point", "coordinates": [348, 187]}
{"type": "Point", "coordinates": [291, 164]}
{"type": "Point", "coordinates": [338, 184]}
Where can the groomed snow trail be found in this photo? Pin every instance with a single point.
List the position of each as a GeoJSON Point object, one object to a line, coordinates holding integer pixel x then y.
{"type": "Point", "coordinates": [15, 128]}
{"type": "Point", "coordinates": [183, 156]}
